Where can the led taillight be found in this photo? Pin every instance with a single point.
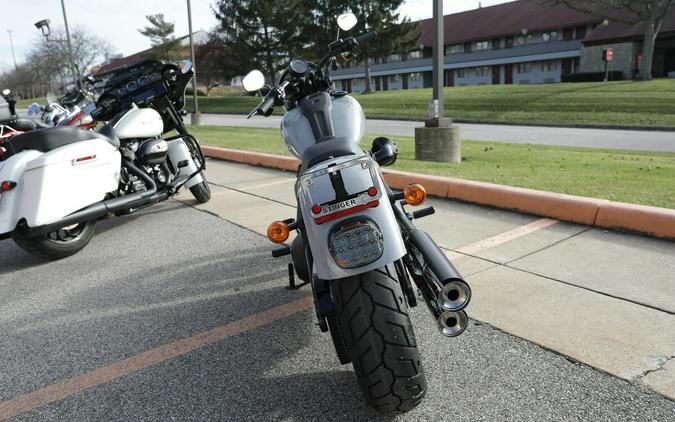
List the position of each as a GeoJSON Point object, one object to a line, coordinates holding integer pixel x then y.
{"type": "Point", "coordinates": [7, 185]}
{"type": "Point", "coordinates": [372, 191]}
{"type": "Point", "coordinates": [316, 208]}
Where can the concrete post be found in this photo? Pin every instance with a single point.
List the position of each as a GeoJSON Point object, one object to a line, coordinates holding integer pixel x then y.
{"type": "Point", "coordinates": [438, 140]}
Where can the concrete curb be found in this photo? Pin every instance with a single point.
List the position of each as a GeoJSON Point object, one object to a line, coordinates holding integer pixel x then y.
{"type": "Point", "coordinates": [652, 221]}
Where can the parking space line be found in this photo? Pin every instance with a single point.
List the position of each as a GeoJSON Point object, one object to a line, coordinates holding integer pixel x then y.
{"type": "Point", "coordinates": [245, 189]}
{"type": "Point", "coordinates": [54, 392]}
{"type": "Point", "coordinates": [501, 238]}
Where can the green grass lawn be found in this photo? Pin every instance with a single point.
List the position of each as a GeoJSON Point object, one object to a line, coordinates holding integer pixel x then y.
{"type": "Point", "coordinates": [625, 103]}
{"type": "Point", "coordinates": [628, 176]}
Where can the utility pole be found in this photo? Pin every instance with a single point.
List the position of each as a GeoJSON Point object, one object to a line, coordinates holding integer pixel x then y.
{"type": "Point", "coordinates": [11, 45]}
{"type": "Point", "coordinates": [195, 118]}
{"type": "Point", "coordinates": [70, 47]}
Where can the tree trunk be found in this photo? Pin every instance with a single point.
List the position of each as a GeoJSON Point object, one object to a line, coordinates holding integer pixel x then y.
{"type": "Point", "coordinates": [651, 31]}
{"type": "Point", "coordinates": [367, 68]}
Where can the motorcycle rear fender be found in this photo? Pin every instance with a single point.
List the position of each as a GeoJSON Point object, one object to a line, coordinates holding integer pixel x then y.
{"type": "Point", "coordinates": [318, 235]}
{"type": "Point", "coordinates": [54, 184]}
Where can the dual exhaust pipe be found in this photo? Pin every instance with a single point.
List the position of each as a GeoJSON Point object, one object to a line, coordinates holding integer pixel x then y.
{"type": "Point", "coordinates": [445, 292]}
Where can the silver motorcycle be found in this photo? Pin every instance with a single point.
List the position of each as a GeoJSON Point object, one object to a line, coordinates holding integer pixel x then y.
{"type": "Point", "coordinates": [356, 245]}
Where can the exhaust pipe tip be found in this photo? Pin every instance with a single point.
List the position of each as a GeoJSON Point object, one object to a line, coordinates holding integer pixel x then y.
{"type": "Point", "coordinates": [452, 324]}
{"type": "Point", "coordinates": [455, 295]}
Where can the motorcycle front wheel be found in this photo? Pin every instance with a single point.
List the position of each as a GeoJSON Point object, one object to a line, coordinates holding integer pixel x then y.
{"type": "Point", "coordinates": [201, 191]}
{"type": "Point", "coordinates": [58, 244]}
{"type": "Point", "coordinates": [378, 336]}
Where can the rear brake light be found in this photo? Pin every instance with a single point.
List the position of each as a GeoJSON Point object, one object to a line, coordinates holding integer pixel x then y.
{"type": "Point", "coordinates": [7, 185]}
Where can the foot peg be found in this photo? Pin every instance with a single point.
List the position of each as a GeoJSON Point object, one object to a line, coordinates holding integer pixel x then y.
{"type": "Point", "coordinates": [283, 251]}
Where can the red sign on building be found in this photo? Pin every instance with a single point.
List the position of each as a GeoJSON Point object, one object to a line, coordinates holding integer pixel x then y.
{"type": "Point", "coordinates": [607, 54]}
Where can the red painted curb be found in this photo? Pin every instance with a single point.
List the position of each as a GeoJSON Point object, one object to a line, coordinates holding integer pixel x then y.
{"type": "Point", "coordinates": [653, 221]}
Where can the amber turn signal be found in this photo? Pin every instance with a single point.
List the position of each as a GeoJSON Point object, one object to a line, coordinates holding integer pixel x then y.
{"type": "Point", "coordinates": [278, 232]}
{"type": "Point", "coordinates": [414, 194]}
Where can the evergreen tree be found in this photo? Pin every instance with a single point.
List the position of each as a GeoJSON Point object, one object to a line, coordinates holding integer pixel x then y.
{"type": "Point", "coordinates": [261, 33]}
{"type": "Point", "coordinates": [394, 35]}
{"type": "Point", "coordinates": [160, 32]}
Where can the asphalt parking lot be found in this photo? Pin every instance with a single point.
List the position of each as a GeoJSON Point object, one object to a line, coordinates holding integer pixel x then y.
{"type": "Point", "coordinates": [114, 333]}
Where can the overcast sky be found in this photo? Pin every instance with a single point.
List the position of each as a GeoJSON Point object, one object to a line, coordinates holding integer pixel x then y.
{"type": "Point", "coordinates": [118, 20]}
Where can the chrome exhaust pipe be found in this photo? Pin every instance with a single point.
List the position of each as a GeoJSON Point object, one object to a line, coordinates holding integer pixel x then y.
{"type": "Point", "coordinates": [445, 292]}
{"type": "Point", "coordinates": [452, 324]}
{"type": "Point", "coordinates": [455, 295]}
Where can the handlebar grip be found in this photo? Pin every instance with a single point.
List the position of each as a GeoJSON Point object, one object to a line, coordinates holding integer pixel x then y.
{"type": "Point", "coordinates": [365, 37]}
{"type": "Point", "coordinates": [266, 104]}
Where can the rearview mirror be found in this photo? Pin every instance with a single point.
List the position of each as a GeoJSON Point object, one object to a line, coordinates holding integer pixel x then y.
{"type": "Point", "coordinates": [253, 81]}
{"type": "Point", "coordinates": [6, 92]}
{"type": "Point", "coordinates": [33, 109]}
{"type": "Point", "coordinates": [185, 66]}
{"type": "Point", "coordinates": [346, 21]}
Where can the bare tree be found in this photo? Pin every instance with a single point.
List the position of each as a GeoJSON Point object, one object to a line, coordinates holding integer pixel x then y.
{"type": "Point", "coordinates": [649, 12]}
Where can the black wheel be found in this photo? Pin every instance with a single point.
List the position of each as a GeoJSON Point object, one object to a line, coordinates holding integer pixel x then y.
{"type": "Point", "coordinates": [377, 333]}
{"type": "Point", "coordinates": [201, 191]}
{"type": "Point", "coordinates": [59, 244]}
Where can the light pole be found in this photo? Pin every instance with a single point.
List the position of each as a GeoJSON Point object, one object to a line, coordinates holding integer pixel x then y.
{"type": "Point", "coordinates": [438, 56]}
{"type": "Point", "coordinates": [439, 139]}
{"type": "Point", "coordinates": [43, 25]}
{"type": "Point", "coordinates": [195, 118]}
{"type": "Point", "coordinates": [70, 48]}
{"type": "Point", "coordinates": [11, 45]}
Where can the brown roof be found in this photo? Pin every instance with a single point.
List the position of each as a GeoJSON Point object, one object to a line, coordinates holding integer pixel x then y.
{"type": "Point", "coordinates": [503, 20]}
{"type": "Point", "coordinates": [618, 30]}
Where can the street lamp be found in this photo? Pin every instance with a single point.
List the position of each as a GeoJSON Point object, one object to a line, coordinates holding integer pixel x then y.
{"type": "Point", "coordinates": [43, 25]}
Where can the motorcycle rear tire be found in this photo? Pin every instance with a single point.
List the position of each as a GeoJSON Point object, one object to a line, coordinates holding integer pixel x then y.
{"type": "Point", "coordinates": [201, 191]}
{"type": "Point", "coordinates": [378, 335]}
{"type": "Point", "coordinates": [49, 248]}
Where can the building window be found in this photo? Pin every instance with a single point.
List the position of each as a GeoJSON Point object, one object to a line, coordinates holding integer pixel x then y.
{"type": "Point", "coordinates": [483, 71]}
{"type": "Point", "coordinates": [356, 83]}
{"type": "Point", "coordinates": [481, 45]}
{"type": "Point", "coordinates": [462, 73]}
{"type": "Point", "coordinates": [416, 76]}
{"type": "Point", "coordinates": [524, 39]}
{"type": "Point", "coordinates": [394, 79]}
{"type": "Point", "coordinates": [550, 36]}
{"type": "Point", "coordinates": [417, 54]}
{"type": "Point", "coordinates": [525, 67]}
{"type": "Point", "coordinates": [454, 48]}
{"type": "Point", "coordinates": [549, 66]}
{"type": "Point", "coordinates": [394, 58]}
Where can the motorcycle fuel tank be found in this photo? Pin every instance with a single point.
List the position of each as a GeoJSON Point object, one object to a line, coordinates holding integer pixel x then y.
{"type": "Point", "coordinates": [346, 116]}
{"type": "Point", "coordinates": [139, 123]}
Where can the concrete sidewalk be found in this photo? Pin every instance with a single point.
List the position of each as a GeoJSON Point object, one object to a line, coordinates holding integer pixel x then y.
{"type": "Point", "coordinates": [602, 298]}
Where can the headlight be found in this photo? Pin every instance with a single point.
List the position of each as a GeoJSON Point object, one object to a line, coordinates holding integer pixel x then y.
{"type": "Point", "coordinates": [356, 244]}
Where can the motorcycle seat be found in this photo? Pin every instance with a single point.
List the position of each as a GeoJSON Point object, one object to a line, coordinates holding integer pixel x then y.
{"type": "Point", "coordinates": [45, 140]}
{"type": "Point", "coordinates": [322, 151]}
{"type": "Point", "coordinates": [23, 125]}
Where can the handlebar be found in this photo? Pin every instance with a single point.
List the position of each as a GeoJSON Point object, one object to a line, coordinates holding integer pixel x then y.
{"type": "Point", "coordinates": [338, 47]}
{"type": "Point", "coordinates": [365, 37]}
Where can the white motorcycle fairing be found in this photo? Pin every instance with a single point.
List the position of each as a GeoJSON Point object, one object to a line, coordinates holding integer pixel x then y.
{"type": "Point", "coordinates": [56, 183]}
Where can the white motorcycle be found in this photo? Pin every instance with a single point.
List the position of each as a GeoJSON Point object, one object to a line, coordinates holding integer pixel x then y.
{"type": "Point", "coordinates": [55, 183]}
